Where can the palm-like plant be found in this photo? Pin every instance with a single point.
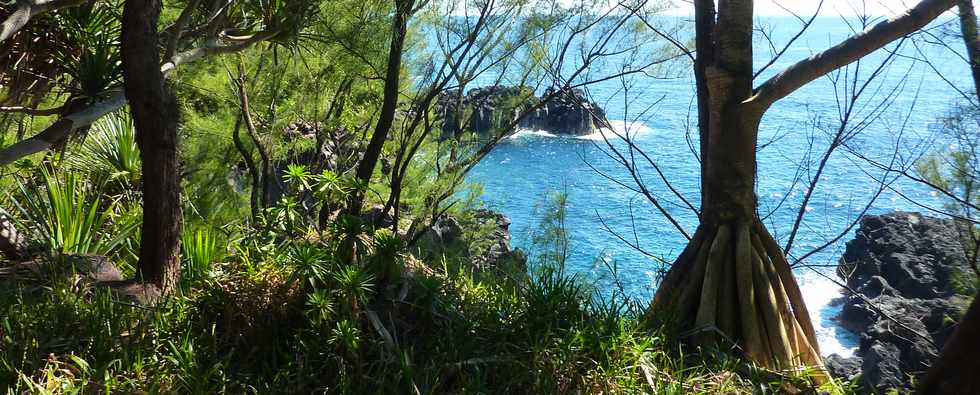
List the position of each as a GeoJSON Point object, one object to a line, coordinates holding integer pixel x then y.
{"type": "Point", "coordinates": [91, 61]}
{"type": "Point", "coordinates": [320, 307]}
{"type": "Point", "coordinates": [286, 17]}
{"type": "Point", "coordinates": [68, 216]}
{"type": "Point", "coordinates": [285, 216]}
{"type": "Point", "coordinates": [331, 187]}
{"type": "Point", "coordinates": [387, 258]}
{"type": "Point", "coordinates": [354, 286]}
{"type": "Point", "coordinates": [347, 336]}
{"type": "Point", "coordinates": [308, 262]}
{"type": "Point", "coordinates": [349, 234]}
{"type": "Point", "coordinates": [27, 73]}
{"type": "Point", "coordinates": [298, 176]}
{"type": "Point", "coordinates": [200, 251]}
{"type": "Point", "coordinates": [110, 151]}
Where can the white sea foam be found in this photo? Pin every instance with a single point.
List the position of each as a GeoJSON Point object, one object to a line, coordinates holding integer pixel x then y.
{"type": "Point", "coordinates": [521, 133]}
{"type": "Point", "coordinates": [620, 128]}
{"type": "Point", "coordinates": [818, 294]}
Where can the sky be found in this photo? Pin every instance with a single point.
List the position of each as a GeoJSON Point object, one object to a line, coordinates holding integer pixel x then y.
{"type": "Point", "coordinates": [807, 7]}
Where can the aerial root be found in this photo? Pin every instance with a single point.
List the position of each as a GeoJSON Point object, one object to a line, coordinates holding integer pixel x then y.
{"type": "Point", "coordinates": [738, 284]}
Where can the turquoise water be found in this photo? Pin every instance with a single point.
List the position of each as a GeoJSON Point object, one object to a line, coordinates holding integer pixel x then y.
{"type": "Point", "coordinates": [520, 173]}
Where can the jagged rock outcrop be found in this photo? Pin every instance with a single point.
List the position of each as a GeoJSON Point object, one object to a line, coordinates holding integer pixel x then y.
{"type": "Point", "coordinates": [12, 242]}
{"type": "Point", "coordinates": [488, 253]}
{"type": "Point", "coordinates": [486, 110]}
{"type": "Point", "coordinates": [499, 254]}
{"type": "Point", "coordinates": [903, 268]}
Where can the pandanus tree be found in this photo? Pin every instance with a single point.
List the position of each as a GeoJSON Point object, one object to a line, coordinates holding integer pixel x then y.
{"type": "Point", "coordinates": [732, 283]}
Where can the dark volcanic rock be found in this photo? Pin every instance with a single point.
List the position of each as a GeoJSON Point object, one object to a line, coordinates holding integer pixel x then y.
{"type": "Point", "coordinates": [847, 368]}
{"type": "Point", "coordinates": [567, 113]}
{"type": "Point", "coordinates": [485, 110]}
{"type": "Point", "coordinates": [902, 267]}
{"type": "Point", "coordinates": [377, 218]}
{"type": "Point", "coordinates": [499, 255]}
{"type": "Point", "coordinates": [440, 236]}
{"type": "Point", "coordinates": [489, 253]}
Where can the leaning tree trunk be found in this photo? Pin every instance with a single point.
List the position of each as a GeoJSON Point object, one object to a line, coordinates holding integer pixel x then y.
{"type": "Point", "coordinates": [968, 27]}
{"type": "Point", "coordinates": [155, 115]}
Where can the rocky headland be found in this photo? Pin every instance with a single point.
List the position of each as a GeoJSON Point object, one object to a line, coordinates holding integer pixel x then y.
{"type": "Point", "coordinates": [486, 111]}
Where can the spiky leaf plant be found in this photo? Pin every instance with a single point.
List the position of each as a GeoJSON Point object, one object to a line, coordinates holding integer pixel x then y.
{"type": "Point", "coordinates": [92, 62]}
{"type": "Point", "coordinates": [68, 215]}
{"type": "Point", "coordinates": [110, 153]}
{"type": "Point", "coordinates": [200, 251]}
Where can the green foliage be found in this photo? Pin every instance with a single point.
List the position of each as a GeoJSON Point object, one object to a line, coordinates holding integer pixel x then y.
{"type": "Point", "coordinates": [67, 215]}
{"type": "Point", "coordinates": [92, 63]}
{"type": "Point", "coordinates": [109, 152]}
{"type": "Point", "coordinates": [552, 241]}
{"type": "Point", "coordinates": [291, 315]}
{"type": "Point", "coordinates": [285, 305]}
{"type": "Point", "coordinates": [199, 251]}
{"type": "Point", "coordinates": [955, 171]}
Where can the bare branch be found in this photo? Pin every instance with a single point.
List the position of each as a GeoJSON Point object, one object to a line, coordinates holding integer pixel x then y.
{"type": "Point", "coordinates": [806, 25]}
{"type": "Point", "coordinates": [33, 111]}
{"type": "Point", "coordinates": [847, 51]}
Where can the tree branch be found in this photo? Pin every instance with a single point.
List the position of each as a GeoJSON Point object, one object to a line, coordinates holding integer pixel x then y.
{"type": "Point", "coordinates": [212, 49]}
{"type": "Point", "coordinates": [848, 51]}
{"type": "Point", "coordinates": [27, 9]}
{"type": "Point", "coordinates": [61, 128]}
{"type": "Point", "coordinates": [33, 111]}
{"type": "Point", "coordinates": [85, 117]}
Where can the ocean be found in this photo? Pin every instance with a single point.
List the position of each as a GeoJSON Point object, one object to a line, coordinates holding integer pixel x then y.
{"type": "Point", "coordinates": [519, 175]}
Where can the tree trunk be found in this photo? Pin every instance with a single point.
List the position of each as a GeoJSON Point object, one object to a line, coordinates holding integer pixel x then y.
{"type": "Point", "coordinates": [155, 116]}
{"type": "Point", "coordinates": [968, 27]}
{"type": "Point", "coordinates": [386, 118]}
{"type": "Point", "coordinates": [955, 371]}
{"type": "Point", "coordinates": [732, 285]}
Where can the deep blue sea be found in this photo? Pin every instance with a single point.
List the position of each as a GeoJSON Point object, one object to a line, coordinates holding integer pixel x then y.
{"type": "Point", "coordinates": [520, 173]}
